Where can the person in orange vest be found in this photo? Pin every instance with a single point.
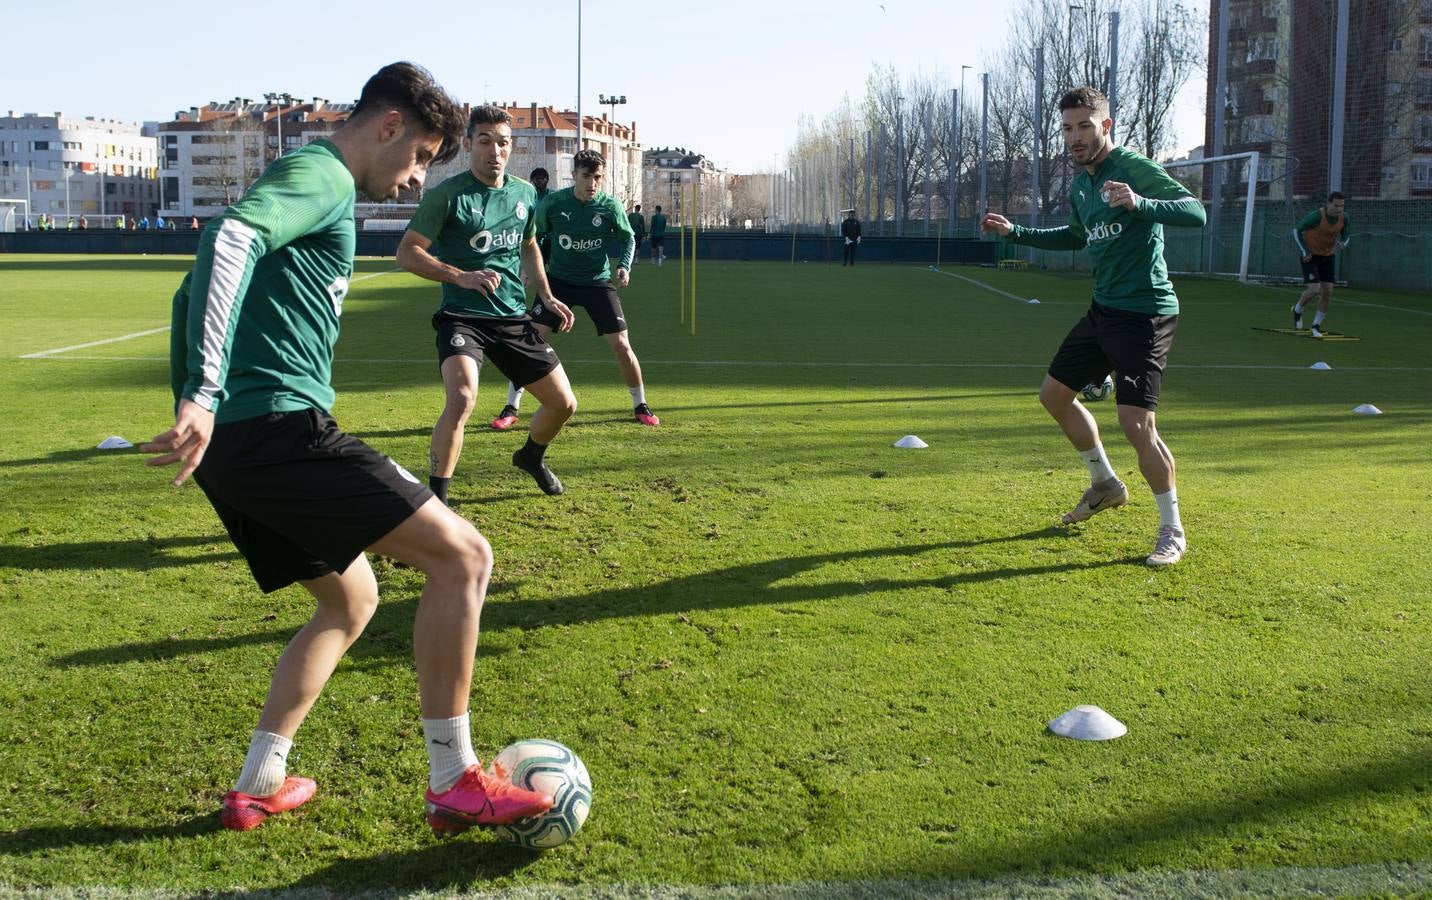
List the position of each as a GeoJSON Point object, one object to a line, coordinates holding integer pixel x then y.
{"type": "Point", "coordinates": [1319, 235]}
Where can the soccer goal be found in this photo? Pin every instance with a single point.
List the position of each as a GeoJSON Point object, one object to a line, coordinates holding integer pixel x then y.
{"type": "Point", "coordinates": [1222, 247]}
{"type": "Point", "coordinates": [13, 214]}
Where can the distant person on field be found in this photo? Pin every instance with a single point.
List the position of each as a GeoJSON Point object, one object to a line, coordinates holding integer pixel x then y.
{"type": "Point", "coordinates": [160, 223]}
{"type": "Point", "coordinates": [1319, 235]}
{"type": "Point", "coordinates": [638, 230]}
{"type": "Point", "coordinates": [540, 178]}
{"type": "Point", "coordinates": [1118, 206]}
{"type": "Point", "coordinates": [193, 223]}
{"type": "Point", "coordinates": [658, 237]}
{"type": "Point", "coordinates": [84, 223]}
{"type": "Point", "coordinates": [254, 327]}
{"type": "Point", "coordinates": [850, 231]}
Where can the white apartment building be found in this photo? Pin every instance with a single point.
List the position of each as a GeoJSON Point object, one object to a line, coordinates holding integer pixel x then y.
{"type": "Point", "coordinates": [66, 167]}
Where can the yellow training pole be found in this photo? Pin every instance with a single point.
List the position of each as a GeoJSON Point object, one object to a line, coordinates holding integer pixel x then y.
{"type": "Point", "coordinates": [681, 233]}
{"type": "Point", "coordinates": [694, 211]}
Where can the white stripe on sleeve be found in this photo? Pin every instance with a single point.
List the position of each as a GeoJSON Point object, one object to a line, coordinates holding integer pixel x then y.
{"type": "Point", "coordinates": [231, 253]}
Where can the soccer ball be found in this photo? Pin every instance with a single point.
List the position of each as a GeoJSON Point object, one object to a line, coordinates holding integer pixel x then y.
{"type": "Point", "coordinates": [549, 768]}
{"type": "Point", "coordinates": [1099, 390]}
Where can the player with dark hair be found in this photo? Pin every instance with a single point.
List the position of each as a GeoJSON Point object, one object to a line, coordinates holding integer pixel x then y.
{"type": "Point", "coordinates": [476, 234]}
{"type": "Point", "coordinates": [1117, 209]}
{"type": "Point", "coordinates": [658, 236]}
{"type": "Point", "coordinates": [638, 230]}
{"type": "Point", "coordinates": [1319, 235]}
{"type": "Point", "coordinates": [251, 347]}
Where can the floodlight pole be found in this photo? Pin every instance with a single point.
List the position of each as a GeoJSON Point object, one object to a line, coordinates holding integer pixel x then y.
{"type": "Point", "coordinates": [613, 101]}
{"type": "Point", "coordinates": [899, 168]}
{"type": "Point", "coordinates": [579, 75]}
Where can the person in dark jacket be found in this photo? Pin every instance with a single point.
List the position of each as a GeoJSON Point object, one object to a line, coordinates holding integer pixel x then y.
{"type": "Point", "coordinates": [850, 231]}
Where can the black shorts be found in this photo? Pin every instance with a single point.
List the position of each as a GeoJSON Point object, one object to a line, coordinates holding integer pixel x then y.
{"type": "Point", "coordinates": [516, 347]}
{"type": "Point", "coordinates": [599, 299]}
{"type": "Point", "coordinates": [300, 498]}
{"type": "Point", "coordinates": [1318, 269]}
{"type": "Point", "coordinates": [639, 239]}
{"type": "Point", "coordinates": [1134, 346]}
{"type": "Point", "coordinates": [658, 240]}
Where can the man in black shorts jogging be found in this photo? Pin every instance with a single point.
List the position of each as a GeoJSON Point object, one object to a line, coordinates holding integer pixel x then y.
{"type": "Point", "coordinates": [472, 233]}
{"type": "Point", "coordinates": [1117, 209]}
{"type": "Point", "coordinates": [584, 224]}
{"type": "Point", "coordinates": [251, 349]}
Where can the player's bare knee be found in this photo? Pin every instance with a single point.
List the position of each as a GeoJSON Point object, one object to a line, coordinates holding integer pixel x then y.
{"type": "Point", "coordinates": [1055, 397]}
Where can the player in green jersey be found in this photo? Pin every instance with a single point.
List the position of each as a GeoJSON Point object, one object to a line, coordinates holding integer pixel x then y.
{"type": "Point", "coordinates": [475, 234]}
{"type": "Point", "coordinates": [585, 224]}
{"type": "Point", "coordinates": [254, 326]}
{"type": "Point", "coordinates": [1117, 209]}
{"type": "Point", "coordinates": [1319, 235]}
{"type": "Point", "coordinates": [658, 236]}
{"type": "Point", "coordinates": [638, 229]}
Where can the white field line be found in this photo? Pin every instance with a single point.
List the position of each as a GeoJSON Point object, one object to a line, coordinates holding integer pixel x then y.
{"type": "Point", "coordinates": [124, 337]}
{"type": "Point", "coordinates": [981, 284]}
{"type": "Point", "coordinates": [784, 364]}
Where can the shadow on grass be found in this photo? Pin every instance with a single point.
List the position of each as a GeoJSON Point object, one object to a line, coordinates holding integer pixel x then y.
{"type": "Point", "coordinates": [1126, 837]}
{"type": "Point", "coordinates": [385, 640]}
{"type": "Point", "coordinates": [142, 554]}
{"type": "Point", "coordinates": [68, 456]}
{"type": "Point", "coordinates": [447, 864]}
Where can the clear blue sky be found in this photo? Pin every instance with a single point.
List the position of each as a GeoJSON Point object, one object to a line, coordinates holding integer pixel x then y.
{"type": "Point", "coordinates": [726, 79]}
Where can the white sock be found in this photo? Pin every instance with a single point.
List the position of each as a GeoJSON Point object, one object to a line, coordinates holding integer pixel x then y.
{"type": "Point", "coordinates": [1298, 307]}
{"type": "Point", "coordinates": [514, 396]}
{"type": "Point", "coordinates": [1098, 463]}
{"type": "Point", "coordinates": [638, 394]}
{"type": "Point", "coordinates": [1318, 319]}
{"type": "Point", "coordinates": [449, 744]}
{"type": "Point", "coordinates": [1168, 510]}
{"type": "Point", "coordinates": [266, 765]}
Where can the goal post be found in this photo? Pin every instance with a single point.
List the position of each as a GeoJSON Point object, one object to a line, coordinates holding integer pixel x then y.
{"type": "Point", "coordinates": [1195, 170]}
{"type": "Point", "coordinates": [8, 208]}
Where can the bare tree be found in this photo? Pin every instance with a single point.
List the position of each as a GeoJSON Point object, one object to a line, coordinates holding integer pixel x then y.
{"type": "Point", "coordinates": [1168, 48]}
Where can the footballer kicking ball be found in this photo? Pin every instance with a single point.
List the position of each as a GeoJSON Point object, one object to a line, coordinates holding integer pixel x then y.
{"type": "Point", "coordinates": [1099, 390]}
{"type": "Point", "coordinates": [549, 768]}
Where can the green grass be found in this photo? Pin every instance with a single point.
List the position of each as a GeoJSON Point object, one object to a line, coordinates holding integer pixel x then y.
{"type": "Point", "coordinates": [787, 652]}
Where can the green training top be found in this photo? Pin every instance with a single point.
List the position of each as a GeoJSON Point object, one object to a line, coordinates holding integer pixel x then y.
{"type": "Point", "coordinates": [582, 233]}
{"type": "Point", "coordinates": [638, 223]}
{"type": "Point", "coordinates": [473, 226]}
{"type": "Point", "coordinates": [658, 225]}
{"type": "Point", "coordinates": [255, 321]}
{"type": "Point", "coordinates": [1125, 246]}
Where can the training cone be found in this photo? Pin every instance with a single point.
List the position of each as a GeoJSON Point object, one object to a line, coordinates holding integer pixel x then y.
{"type": "Point", "coordinates": [113, 442]}
{"type": "Point", "coordinates": [910, 442]}
{"type": "Point", "coordinates": [1366, 409]}
{"type": "Point", "coordinates": [1034, 301]}
{"type": "Point", "coordinates": [1088, 723]}
{"type": "Point", "coordinates": [1320, 366]}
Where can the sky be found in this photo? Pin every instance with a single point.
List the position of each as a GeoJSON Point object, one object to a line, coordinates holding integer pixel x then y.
{"type": "Point", "coordinates": [726, 79]}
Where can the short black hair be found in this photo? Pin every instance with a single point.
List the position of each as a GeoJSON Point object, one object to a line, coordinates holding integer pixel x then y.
{"type": "Point", "coordinates": [488, 115]}
{"type": "Point", "coordinates": [587, 159]}
{"type": "Point", "coordinates": [1336, 195]}
{"type": "Point", "coordinates": [538, 172]}
{"type": "Point", "coordinates": [1089, 97]}
{"type": "Point", "coordinates": [638, 207]}
{"type": "Point", "coordinates": [411, 89]}
{"type": "Point", "coordinates": [658, 207]}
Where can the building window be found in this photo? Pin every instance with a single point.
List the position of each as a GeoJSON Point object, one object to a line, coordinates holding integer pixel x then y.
{"type": "Point", "coordinates": [1422, 172]}
{"type": "Point", "coordinates": [1424, 45]}
{"type": "Point", "coordinates": [1424, 129]}
{"type": "Point", "coordinates": [1262, 48]}
{"type": "Point", "coordinates": [40, 145]}
{"type": "Point", "coordinates": [1257, 129]}
{"type": "Point", "coordinates": [1424, 87]}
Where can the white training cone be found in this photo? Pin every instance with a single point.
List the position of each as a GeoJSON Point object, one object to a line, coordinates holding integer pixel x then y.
{"type": "Point", "coordinates": [1366, 409]}
{"type": "Point", "coordinates": [114, 442]}
{"type": "Point", "coordinates": [910, 442]}
{"type": "Point", "coordinates": [1088, 723]}
{"type": "Point", "coordinates": [1320, 366]}
{"type": "Point", "coordinates": [1034, 301]}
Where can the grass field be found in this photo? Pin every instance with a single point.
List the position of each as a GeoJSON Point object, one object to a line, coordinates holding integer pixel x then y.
{"type": "Point", "coordinates": [795, 659]}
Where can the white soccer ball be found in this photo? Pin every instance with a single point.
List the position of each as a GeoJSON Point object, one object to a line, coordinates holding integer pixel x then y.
{"type": "Point", "coordinates": [549, 768]}
{"type": "Point", "coordinates": [1099, 390]}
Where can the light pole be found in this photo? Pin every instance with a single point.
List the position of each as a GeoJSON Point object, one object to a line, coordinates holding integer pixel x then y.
{"type": "Point", "coordinates": [281, 101]}
{"type": "Point", "coordinates": [899, 168]}
{"type": "Point", "coordinates": [579, 74]}
{"type": "Point", "coordinates": [958, 149]}
{"type": "Point", "coordinates": [614, 101]}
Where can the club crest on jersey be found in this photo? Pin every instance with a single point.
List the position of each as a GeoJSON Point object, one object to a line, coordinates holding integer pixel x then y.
{"type": "Point", "coordinates": [457, 341]}
{"type": "Point", "coordinates": [597, 221]}
{"type": "Point", "coordinates": [521, 211]}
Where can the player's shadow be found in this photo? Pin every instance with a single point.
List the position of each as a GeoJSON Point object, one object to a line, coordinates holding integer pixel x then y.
{"type": "Point", "coordinates": [68, 456]}
{"type": "Point", "coordinates": [1135, 835]}
{"type": "Point", "coordinates": [769, 582]}
{"type": "Point", "coordinates": [470, 860]}
{"type": "Point", "coordinates": [139, 554]}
